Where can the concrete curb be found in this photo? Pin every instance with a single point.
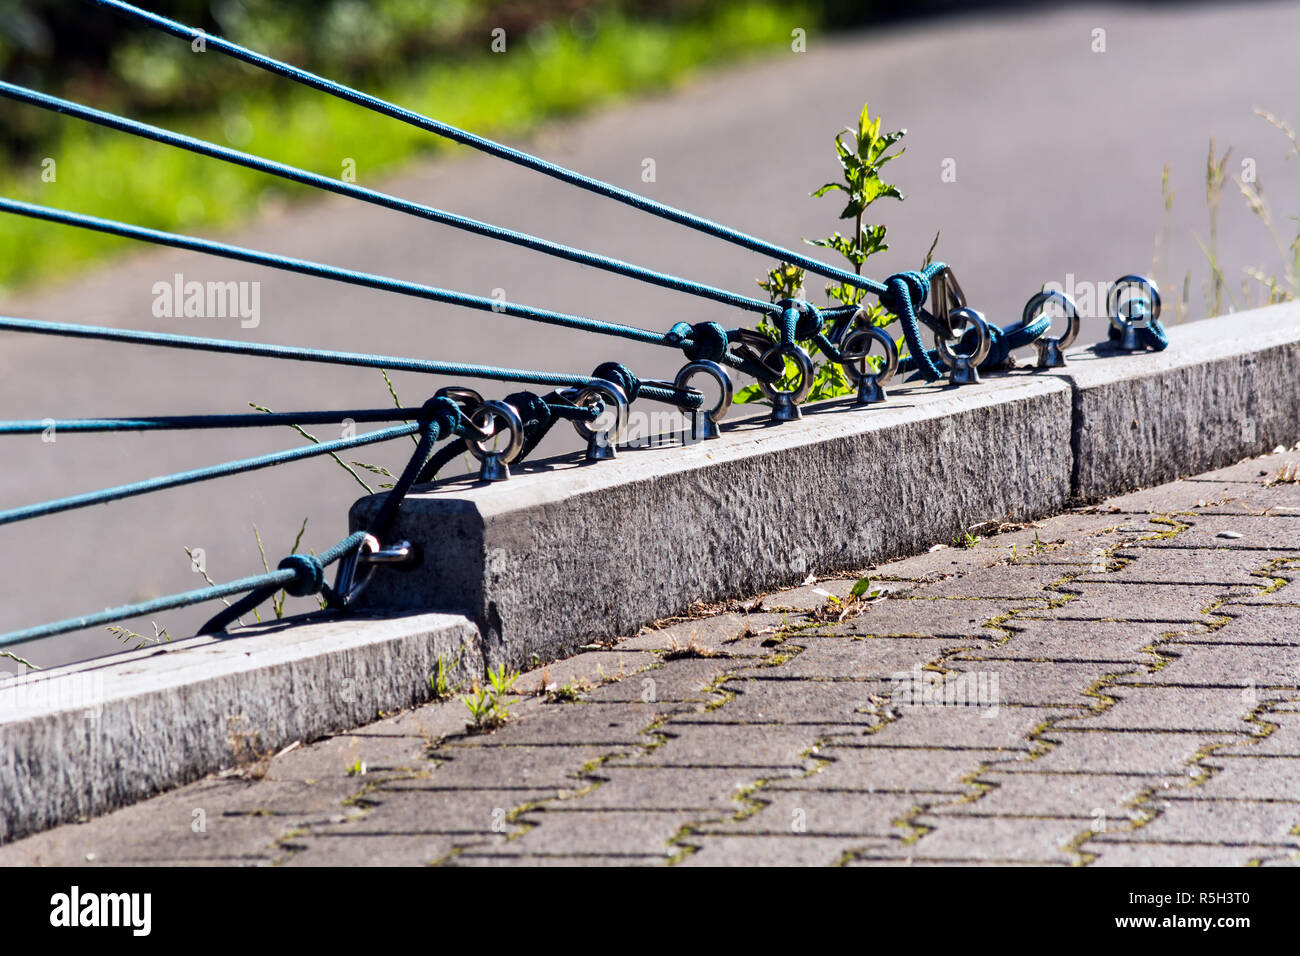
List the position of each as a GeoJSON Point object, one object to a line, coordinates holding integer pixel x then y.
{"type": "Point", "coordinates": [1225, 389]}
{"type": "Point", "coordinates": [567, 552]}
{"type": "Point", "coordinates": [86, 738]}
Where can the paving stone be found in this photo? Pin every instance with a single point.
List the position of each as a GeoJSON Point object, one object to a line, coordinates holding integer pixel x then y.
{"type": "Point", "coordinates": [1173, 854]}
{"type": "Point", "coordinates": [1166, 754]}
{"type": "Point", "coordinates": [934, 617]}
{"type": "Point", "coordinates": [811, 597]}
{"type": "Point", "coordinates": [889, 769]}
{"type": "Point", "coordinates": [780, 701]}
{"type": "Point", "coordinates": [998, 838]}
{"type": "Point", "coordinates": [1274, 532]}
{"type": "Point", "coordinates": [1253, 470]}
{"type": "Point", "coordinates": [1223, 566]}
{"type": "Point", "coordinates": [1246, 778]}
{"type": "Point", "coordinates": [590, 668]}
{"type": "Point", "coordinates": [707, 789]}
{"type": "Point", "coordinates": [1284, 741]}
{"type": "Point", "coordinates": [365, 849]}
{"type": "Point", "coordinates": [959, 728]}
{"type": "Point", "coordinates": [820, 813]}
{"type": "Point", "coordinates": [729, 745]}
{"type": "Point", "coordinates": [559, 830]}
{"type": "Point", "coordinates": [576, 724]}
{"type": "Point", "coordinates": [795, 849]}
{"type": "Point", "coordinates": [1228, 665]}
{"type": "Point", "coordinates": [714, 633]}
{"type": "Point", "coordinates": [1178, 496]}
{"type": "Point", "coordinates": [469, 815]}
{"type": "Point", "coordinates": [1153, 707]}
{"type": "Point", "coordinates": [1035, 682]}
{"type": "Point", "coordinates": [1216, 821]}
{"type": "Point", "coordinates": [147, 834]}
{"type": "Point", "coordinates": [1160, 603]}
{"type": "Point", "coordinates": [1251, 624]}
{"type": "Point", "coordinates": [1287, 594]}
{"type": "Point", "coordinates": [1078, 796]}
{"type": "Point", "coordinates": [892, 861]}
{"type": "Point", "coordinates": [1008, 581]}
{"type": "Point", "coordinates": [1108, 641]}
{"type": "Point", "coordinates": [878, 658]}
{"type": "Point", "coordinates": [679, 680]}
{"type": "Point", "coordinates": [530, 768]}
{"type": "Point", "coordinates": [516, 859]}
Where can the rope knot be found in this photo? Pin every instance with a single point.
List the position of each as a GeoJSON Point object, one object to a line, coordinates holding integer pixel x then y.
{"type": "Point", "coordinates": [803, 319]}
{"type": "Point", "coordinates": [905, 292]}
{"type": "Point", "coordinates": [309, 574]}
{"type": "Point", "coordinates": [621, 376]}
{"type": "Point", "coordinates": [709, 340]}
{"type": "Point", "coordinates": [444, 415]}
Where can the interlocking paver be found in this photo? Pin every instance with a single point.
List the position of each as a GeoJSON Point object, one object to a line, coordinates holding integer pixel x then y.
{"type": "Point", "coordinates": [936, 617]}
{"type": "Point", "coordinates": [729, 745]}
{"type": "Point", "coordinates": [1244, 623]}
{"type": "Point", "coordinates": [1115, 686]}
{"type": "Point", "coordinates": [1105, 641]}
{"type": "Point", "coordinates": [1157, 603]}
{"type": "Point", "coordinates": [1102, 751]}
{"type": "Point", "coordinates": [902, 769]}
{"type": "Point", "coordinates": [1141, 707]}
{"type": "Point", "coordinates": [820, 814]}
{"type": "Point", "coordinates": [1256, 822]}
{"type": "Point", "coordinates": [1079, 796]}
{"type": "Point", "coordinates": [1209, 565]}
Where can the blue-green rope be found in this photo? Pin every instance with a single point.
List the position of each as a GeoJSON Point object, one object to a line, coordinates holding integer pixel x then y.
{"type": "Point", "coordinates": [294, 574]}
{"type": "Point", "coordinates": [163, 482]}
{"type": "Point", "coordinates": [322, 271]}
{"type": "Point", "coordinates": [185, 422]}
{"type": "Point", "coordinates": [674, 396]}
{"type": "Point", "coordinates": [294, 174]}
{"type": "Point", "coordinates": [492, 148]}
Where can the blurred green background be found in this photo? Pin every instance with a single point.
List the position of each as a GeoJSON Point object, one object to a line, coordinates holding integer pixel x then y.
{"type": "Point", "coordinates": [434, 56]}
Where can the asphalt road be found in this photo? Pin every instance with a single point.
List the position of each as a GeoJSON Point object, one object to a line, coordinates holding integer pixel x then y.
{"type": "Point", "coordinates": [1057, 151]}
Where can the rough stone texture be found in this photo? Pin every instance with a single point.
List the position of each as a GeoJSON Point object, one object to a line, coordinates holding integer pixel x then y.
{"type": "Point", "coordinates": [1221, 392]}
{"type": "Point", "coordinates": [567, 553]}
{"type": "Point", "coordinates": [85, 738]}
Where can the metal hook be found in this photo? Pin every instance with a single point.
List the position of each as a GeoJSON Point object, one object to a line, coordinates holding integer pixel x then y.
{"type": "Point", "coordinates": [1051, 351]}
{"type": "Point", "coordinates": [946, 298]}
{"type": "Point", "coordinates": [369, 553]}
{"type": "Point", "coordinates": [601, 442]}
{"type": "Point", "coordinates": [964, 367]}
{"type": "Point", "coordinates": [1139, 311]}
{"type": "Point", "coordinates": [785, 405]}
{"type": "Point", "coordinates": [704, 422]}
{"type": "Point", "coordinates": [853, 357]}
{"type": "Point", "coordinates": [496, 462]}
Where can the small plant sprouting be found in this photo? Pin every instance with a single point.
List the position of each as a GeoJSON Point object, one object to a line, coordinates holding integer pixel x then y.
{"type": "Point", "coordinates": [692, 650]}
{"type": "Point", "coordinates": [965, 540]}
{"type": "Point", "coordinates": [357, 769]}
{"type": "Point", "coordinates": [277, 602]}
{"type": "Point", "coordinates": [862, 152]}
{"type": "Point", "coordinates": [126, 635]}
{"type": "Point", "coordinates": [439, 682]}
{"type": "Point", "coordinates": [569, 693]}
{"type": "Point", "coordinates": [1286, 475]}
{"type": "Point", "coordinates": [487, 704]}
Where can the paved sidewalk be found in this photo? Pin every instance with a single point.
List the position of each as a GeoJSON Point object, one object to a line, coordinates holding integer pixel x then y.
{"type": "Point", "coordinates": [1119, 685]}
